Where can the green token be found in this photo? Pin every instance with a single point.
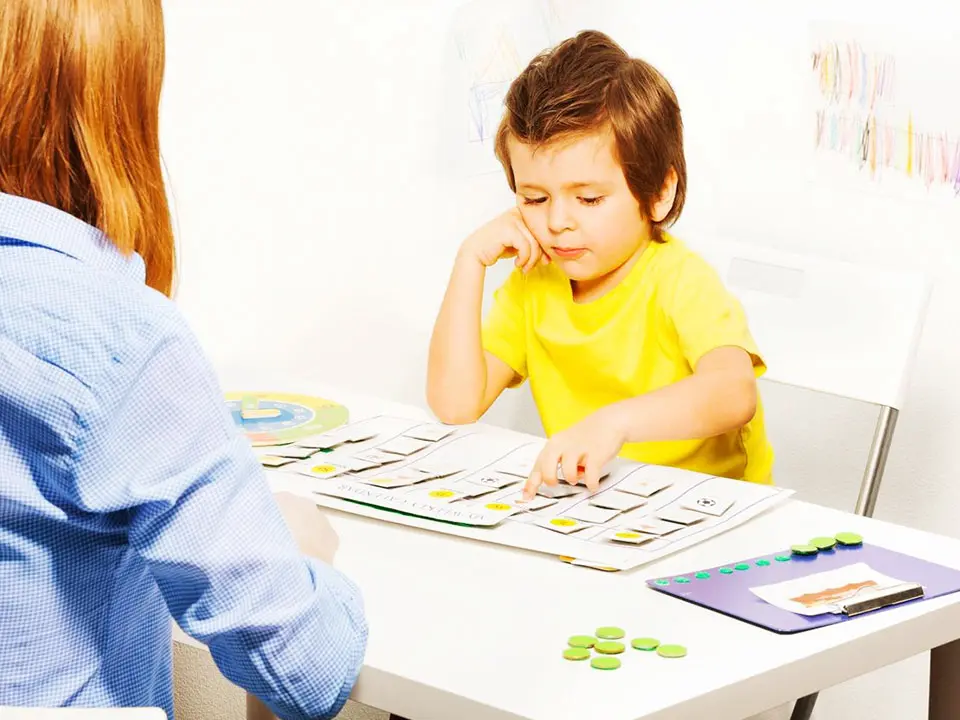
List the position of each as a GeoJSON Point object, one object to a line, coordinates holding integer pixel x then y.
{"type": "Point", "coordinates": [661, 582]}
{"type": "Point", "coordinates": [849, 538]}
{"type": "Point", "coordinates": [609, 648]}
{"type": "Point", "coordinates": [741, 566]}
{"type": "Point", "coordinates": [671, 651]}
{"type": "Point", "coordinates": [576, 653]}
{"type": "Point", "coordinates": [702, 575]}
{"type": "Point", "coordinates": [605, 663]}
{"type": "Point", "coordinates": [582, 641]}
{"type": "Point", "coordinates": [804, 549]}
{"type": "Point", "coordinates": [823, 543]}
{"type": "Point", "coordinates": [681, 580]}
{"type": "Point", "coordinates": [762, 563]}
{"type": "Point", "coordinates": [782, 558]}
{"type": "Point", "coordinates": [726, 571]}
{"type": "Point", "coordinates": [647, 644]}
{"type": "Point", "coordinates": [610, 633]}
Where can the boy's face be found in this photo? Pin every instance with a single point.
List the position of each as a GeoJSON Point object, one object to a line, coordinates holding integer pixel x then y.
{"type": "Point", "coordinates": [574, 198]}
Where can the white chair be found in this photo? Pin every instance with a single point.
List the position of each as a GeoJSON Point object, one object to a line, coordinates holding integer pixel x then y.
{"type": "Point", "coordinates": [830, 327]}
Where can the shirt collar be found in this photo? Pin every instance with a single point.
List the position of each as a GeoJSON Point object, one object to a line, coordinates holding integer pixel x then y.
{"type": "Point", "coordinates": [35, 223]}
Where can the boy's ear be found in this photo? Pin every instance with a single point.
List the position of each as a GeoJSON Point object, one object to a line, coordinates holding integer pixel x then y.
{"type": "Point", "coordinates": [664, 201]}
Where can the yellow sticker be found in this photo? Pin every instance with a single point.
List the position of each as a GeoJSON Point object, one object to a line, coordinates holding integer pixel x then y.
{"type": "Point", "coordinates": [498, 506]}
{"type": "Point", "coordinates": [323, 469]}
{"type": "Point", "coordinates": [628, 535]}
{"type": "Point", "coordinates": [442, 493]}
{"type": "Point", "coordinates": [563, 522]}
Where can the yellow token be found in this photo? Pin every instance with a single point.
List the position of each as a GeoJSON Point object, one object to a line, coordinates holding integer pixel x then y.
{"type": "Point", "coordinates": [497, 506]}
{"type": "Point", "coordinates": [324, 469]}
{"type": "Point", "coordinates": [442, 493]}
{"type": "Point", "coordinates": [627, 535]}
{"type": "Point", "coordinates": [563, 522]}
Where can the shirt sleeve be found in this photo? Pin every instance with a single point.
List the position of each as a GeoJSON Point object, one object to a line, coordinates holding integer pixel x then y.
{"type": "Point", "coordinates": [504, 332]}
{"type": "Point", "coordinates": [706, 315]}
{"type": "Point", "coordinates": [165, 454]}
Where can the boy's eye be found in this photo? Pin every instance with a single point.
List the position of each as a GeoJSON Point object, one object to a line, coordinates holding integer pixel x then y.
{"type": "Point", "coordinates": [534, 201]}
{"type": "Point", "coordinates": [591, 200]}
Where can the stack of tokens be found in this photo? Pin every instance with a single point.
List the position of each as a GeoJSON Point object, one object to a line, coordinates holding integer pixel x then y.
{"type": "Point", "coordinates": [823, 544]}
{"type": "Point", "coordinates": [606, 644]}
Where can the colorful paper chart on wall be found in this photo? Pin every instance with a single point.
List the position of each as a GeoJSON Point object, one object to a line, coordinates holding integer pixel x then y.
{"type": "Point", "coordinates": [271, 418]}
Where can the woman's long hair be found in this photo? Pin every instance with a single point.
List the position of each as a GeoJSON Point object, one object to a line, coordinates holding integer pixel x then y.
{"type": "Point", "coordinates": [80, 88]}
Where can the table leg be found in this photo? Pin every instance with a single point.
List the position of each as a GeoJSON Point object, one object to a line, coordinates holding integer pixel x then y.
{"type": "Point", "coordinates": [944, 703]}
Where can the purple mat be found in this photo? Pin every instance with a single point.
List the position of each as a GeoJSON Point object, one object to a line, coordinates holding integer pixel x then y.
{"type": "Point", "coordinates": [730, 593]}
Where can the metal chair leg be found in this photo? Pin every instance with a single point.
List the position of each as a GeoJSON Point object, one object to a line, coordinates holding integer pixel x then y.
{"type": "Point", "coordinates": [866, 502]}
{"type": "Point", "coordinates": [803, 708]}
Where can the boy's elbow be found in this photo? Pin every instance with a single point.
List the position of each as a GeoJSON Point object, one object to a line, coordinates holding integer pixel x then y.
{"type": "Point", "coordinates": [744, 407]}
{"type": "Point", "coordinates": [449, 412]}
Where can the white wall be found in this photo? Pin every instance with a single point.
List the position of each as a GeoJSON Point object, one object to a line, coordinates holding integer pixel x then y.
{"type": "Point", "coordinates": [315, 157]}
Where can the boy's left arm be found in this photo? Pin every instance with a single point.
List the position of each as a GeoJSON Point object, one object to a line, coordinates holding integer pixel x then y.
{"type": "Point", "coordinates": [719, 396]}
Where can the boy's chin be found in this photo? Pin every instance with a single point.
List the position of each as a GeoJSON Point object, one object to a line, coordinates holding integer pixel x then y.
{"type": "Point", "coordinates": [579, 271]}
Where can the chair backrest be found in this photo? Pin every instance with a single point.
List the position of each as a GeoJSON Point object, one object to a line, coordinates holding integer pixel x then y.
{"type": "Point", "coordinates": [825, 325]}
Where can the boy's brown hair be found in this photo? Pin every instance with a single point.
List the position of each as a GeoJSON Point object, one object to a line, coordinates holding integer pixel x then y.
{"type": "Point", "coordinates": [589, 82]}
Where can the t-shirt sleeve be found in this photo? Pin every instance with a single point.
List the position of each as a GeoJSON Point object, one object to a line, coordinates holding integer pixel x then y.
{"type": "Point", "coordinates": [706, 315]}
{"type": "Point", "coordinates": [503, 332]}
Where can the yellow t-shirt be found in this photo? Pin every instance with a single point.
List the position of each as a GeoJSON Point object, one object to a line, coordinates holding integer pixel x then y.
{"type": "Point", "coordinates": [647, 332]}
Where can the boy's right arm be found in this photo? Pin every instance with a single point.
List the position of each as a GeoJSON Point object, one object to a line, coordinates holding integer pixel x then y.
{"type": "Point", "coordinates": [463, 380]}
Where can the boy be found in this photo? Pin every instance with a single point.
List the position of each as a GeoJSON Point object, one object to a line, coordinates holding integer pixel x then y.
{"type": "Point", "coordinates": [630, 341]}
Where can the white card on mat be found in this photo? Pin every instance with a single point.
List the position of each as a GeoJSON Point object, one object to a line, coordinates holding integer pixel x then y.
{"type": "Point", "coordinates": [627, 536]}
{"type": "Point", "coordinates": [615, 500]}
{"type": "Point", "coordinates": [355, 434]}
{"type": "Point", "coordinates": [327, 441]}
{"type": "Point", "coordinates": [430, 433]}
{"type": "Point", "coordinates": [591, 514]}
{"type": "Point", "coordinates": [537, 503]}
{"type": "Point", "coordinates": [401, 478]}
{"type": "Point", "coordinates": [709, 504]}
{"type": "Point", "coordinates": [652, 526]}
{"type": "Point", "coordinates": [644, 486]}
{"type": "Point", "coordinates": [679, 515]}
{"type": "Point", "coordinates": [323, 471]}
{"type": "Point", "coordinates": [403, 446]}
{"type": "Point", "coordinates": [494, 481]}
{"type": "Point", "coordinates": [560, 490]}
{"type": "Point", "coordinates": [564, 525]}
{"type": "Point", "coordinates": [380, 458]}
{"type": "Point", "coordinates": [441, 495]}
{"type": "Point", "coordinates": [294, 451]}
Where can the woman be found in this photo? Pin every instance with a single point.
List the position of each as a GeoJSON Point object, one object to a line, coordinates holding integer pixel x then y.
{"type": "Point", "coordinates": [126, 493]}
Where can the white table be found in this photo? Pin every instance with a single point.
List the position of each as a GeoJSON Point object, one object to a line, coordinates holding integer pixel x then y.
{"type": "Point", "coordinates": [469, 630]}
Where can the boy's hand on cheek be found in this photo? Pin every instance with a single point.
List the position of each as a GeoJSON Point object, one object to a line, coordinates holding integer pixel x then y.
{"type": "Point", "coordinates": [507, 235]}
{"type": "Point", "coordinates": [578, 453]}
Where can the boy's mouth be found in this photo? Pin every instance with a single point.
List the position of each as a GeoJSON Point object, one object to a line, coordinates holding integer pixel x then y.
{"type": "Point", "coordinates": [566, 253]}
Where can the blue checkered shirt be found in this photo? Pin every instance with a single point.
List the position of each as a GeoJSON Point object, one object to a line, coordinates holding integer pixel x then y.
{"type": "Point", "coordinates": [127, 496]}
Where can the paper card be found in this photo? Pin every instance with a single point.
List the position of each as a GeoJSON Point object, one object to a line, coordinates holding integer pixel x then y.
{"type": "Point", "coordinates": [709, 504]}
{"type": "Point", "coordinates": [323, 471]}
{"type": "Point", "coordinates": [627, 537]}
{"type": "Point", "coordinates": [380, 458]}
{"type": "Point", "coordinates": [437, 470]}
{"type": "Point", "coordinates": [564, 525]}
{"type": "Point", "coordinates": [327, 441]}
{"type": "Point", "coordinates": [652, 526]}
{"type": "Point", "coordinates": [355, 464]}
{"type": "Point", "coordinates": [356, 433]}
{"type": "Point", "coordinates": [499, 507]}
{"type": "Point", "coordinates": [616, 500]}
{"type": "Point", "coordinates": [494, 481]}
{"type": "Point", "coordinates": [536, 503]}
{"type": "Point", "coordinates": [821, 592]}
{"type": "Point", "coordinates": [558, 491]}
{"type": "Point", "coordinates": [294, 452]}
{"type": "Point", "coordinates": [401, 478]}
{"type": "Point", "coordinates": [679, 515]}
{"type": "Point", "coordinates": [644, 486]}
{"type": "Point", "coordinates": [471, 490]}
{"type": "Point", "coordinates": [403, 446]}
{"type": "Point", "coordinates": [430, 433]}
{"type": "Point", "coordinates": [518, 467]}
{"type": "Point", "coordinates": [590, 514]}
{"type": "Point", "coordinates": [272, 461]}
{"type": "Point", "coordinates": [441, 495]}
